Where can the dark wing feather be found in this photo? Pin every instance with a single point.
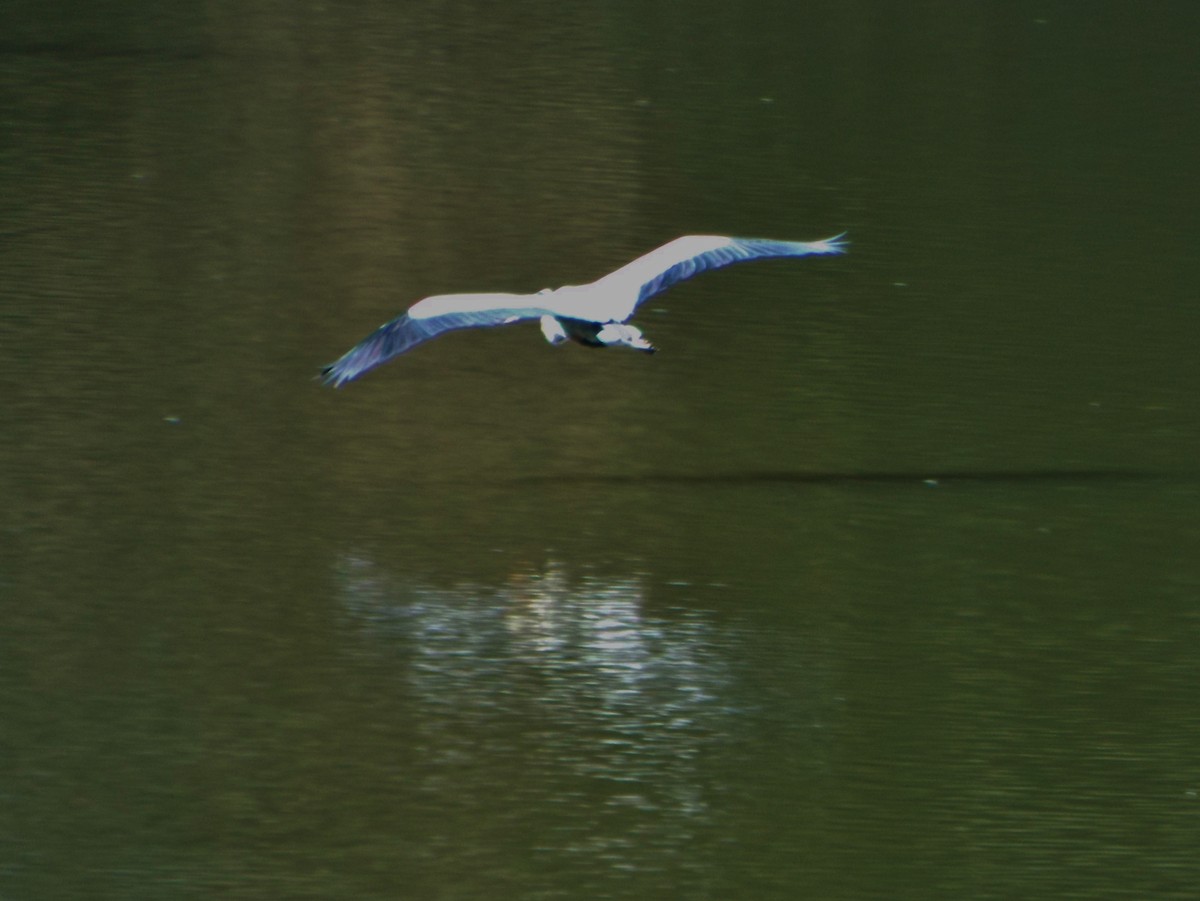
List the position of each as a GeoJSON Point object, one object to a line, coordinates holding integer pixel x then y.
{"type": "Point", "coordinates": [737, 250]}
{"type": "Point", "coordinates": [614, 297]}
{"type": "Point", "coordinates": [389, 340]}
{"type": "Point", "coordinates": [405, 332]}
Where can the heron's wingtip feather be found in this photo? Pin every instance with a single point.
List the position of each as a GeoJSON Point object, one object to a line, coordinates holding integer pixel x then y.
{"type": "Point", "coordinates": [330, 377]}
{"type": "Point", "coordinates": [387, 341]}
{"type": "Point", "coordinates": [837, 244]}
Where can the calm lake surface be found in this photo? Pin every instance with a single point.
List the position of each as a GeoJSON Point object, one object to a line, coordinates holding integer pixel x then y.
{"type": "Point", "coordinates": [881, 580]}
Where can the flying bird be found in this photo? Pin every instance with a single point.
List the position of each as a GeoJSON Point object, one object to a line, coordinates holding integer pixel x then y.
{"type": "Point", "coordinates": [595, 314]}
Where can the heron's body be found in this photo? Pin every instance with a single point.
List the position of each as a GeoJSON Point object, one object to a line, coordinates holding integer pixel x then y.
{"type": "Point", "coordinates": [594, 314]}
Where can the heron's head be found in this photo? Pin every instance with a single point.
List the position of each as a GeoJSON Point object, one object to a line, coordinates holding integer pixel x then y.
{"type": "Point", "coordinates": [628, 335]}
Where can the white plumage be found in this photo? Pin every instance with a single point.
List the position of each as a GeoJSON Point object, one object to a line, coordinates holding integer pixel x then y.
{"type": "Point", "coordinates": [594, 314]}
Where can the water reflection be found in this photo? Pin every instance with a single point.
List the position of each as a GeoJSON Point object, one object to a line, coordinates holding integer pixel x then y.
{"type": "Point", "coordinates": [594, 703]}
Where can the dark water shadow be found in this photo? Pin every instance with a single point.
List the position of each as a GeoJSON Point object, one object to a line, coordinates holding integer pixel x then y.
{"type": "Point", "coordinates": [82, 51]}
{"type": "Point", "coordinates": [877, 477]}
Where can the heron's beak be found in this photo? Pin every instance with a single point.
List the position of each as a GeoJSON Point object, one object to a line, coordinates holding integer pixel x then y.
{"type": "Point", "coordinates": [627, 335]}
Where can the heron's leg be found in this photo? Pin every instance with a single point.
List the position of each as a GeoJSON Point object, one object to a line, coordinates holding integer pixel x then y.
{"type": "Point", "coordinates": [553, 330]}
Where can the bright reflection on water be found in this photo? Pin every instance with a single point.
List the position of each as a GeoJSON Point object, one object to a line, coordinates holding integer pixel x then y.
{"type": "Point", "coordinates": [603, 707]}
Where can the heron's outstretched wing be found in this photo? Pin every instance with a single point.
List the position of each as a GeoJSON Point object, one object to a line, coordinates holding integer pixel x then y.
{"type": "Point", "coordinates": [424, 320]}
{"type": "Point", "coordinates": [690, 255]}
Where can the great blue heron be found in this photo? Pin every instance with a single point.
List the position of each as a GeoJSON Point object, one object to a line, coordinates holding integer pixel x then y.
{"type": "Point", "coordinates": [594, 314]}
